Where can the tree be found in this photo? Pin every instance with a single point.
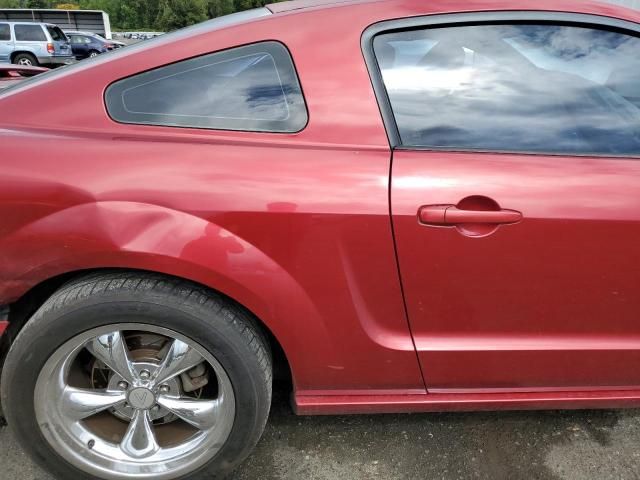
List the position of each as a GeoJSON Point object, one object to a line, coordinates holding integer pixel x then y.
{"type": "Point", "coordinates": [147, 14]}
{"type": "Point", "coordinates": [217, 8]}
{"type": "Point", "coordinates": [37, 4]}
{"type": "Point", "coordinates": [174, 14]}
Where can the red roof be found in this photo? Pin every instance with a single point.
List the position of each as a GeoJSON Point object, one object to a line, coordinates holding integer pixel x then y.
{"type": "Point", "coordinates": [300, 4]}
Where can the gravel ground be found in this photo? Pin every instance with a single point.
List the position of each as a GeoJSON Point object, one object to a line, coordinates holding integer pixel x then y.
{"type": "Point", "coordinates": [550, 445]}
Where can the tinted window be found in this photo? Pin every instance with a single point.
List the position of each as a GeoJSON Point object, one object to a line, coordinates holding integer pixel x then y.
{"type": "Point", "coordinates": [5, 32]}
{"type": "Point", "coordinates": [57, 35]}
{"type": "Point", "coordinates": [29, 33]}
{"type": "Point", "coordinates": [533, 88]}
{"type": "Point", "coordinates": [246, 88]}
{"type": "Point", "coordinates": [78, 40]}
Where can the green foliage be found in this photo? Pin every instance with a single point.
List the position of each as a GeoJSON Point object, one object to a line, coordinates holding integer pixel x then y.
{"type": "Point", "coordinates": [38, 4]}
{"type": "Point", "coordinates": [174, 14]}
{"type": "Point", "coordinates": [217, 8]}
{"type": "Point", "coordinates": [154, 15]}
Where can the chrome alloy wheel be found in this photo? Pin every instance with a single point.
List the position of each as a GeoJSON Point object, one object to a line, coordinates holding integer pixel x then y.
{"type": "Point", "coordinates": [163, 406]}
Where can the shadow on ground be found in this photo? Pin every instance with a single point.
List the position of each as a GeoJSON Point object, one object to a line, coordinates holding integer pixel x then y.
{"type": "Point", "coordinates": [497, 445]}
{"type": "Point", "coordinates": [515, 445]}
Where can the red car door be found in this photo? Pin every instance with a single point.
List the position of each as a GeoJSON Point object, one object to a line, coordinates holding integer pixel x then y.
{"type": "Point", "coordinates": [515, 197]}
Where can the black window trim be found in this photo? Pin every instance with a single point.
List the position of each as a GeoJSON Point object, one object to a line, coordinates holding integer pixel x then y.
{"type": "Point", "coordinates": [182, 127]}
{"type": "Point", "coordinates": [471, 19]}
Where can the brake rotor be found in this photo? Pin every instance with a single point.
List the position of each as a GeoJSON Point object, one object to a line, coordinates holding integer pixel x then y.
{"type": "Point", "coordinates": [145, 350]}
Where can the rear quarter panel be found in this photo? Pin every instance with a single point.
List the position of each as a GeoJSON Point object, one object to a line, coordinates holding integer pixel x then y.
{"type": "Point", "coordinates": [294, 227]}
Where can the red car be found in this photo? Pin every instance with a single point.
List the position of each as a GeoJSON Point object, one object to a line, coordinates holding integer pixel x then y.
{"type": "Point", "coordinates": [399, 205]}
{"type": "Point", "coordinates": [11, 74]}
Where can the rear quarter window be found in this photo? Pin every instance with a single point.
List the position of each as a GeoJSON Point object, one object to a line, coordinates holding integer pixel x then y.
{"type": "Point", "coordinates": [249, 88]}
{"type": "Point", "coordinates": [57, 35]}
{"type": "Point", "coordinates": [5, 32]}
{"type": "Point", "coordinates": [29, 33]}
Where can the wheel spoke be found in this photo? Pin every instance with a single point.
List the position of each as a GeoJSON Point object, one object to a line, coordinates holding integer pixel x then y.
{"type": "Point", "coordinates": [78, 404]}
{"type": "Point", "coordinates": [112, 350]}
{"type": "Point", "coordinates": [202, 414]}
{"type": "Point", "coordinates": [140, 440]}
{"type": "Point", "coordinates": [180, 358]}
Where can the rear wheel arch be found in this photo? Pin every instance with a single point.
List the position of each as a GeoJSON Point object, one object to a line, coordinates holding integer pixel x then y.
{"type": "Point", "coordinates": [25, 306]}
{"type": "Point", "coordinates": [30, 54]}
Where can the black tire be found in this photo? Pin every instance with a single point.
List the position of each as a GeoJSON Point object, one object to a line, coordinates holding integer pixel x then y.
{"type": "Point", "coordinates": [26, 59]}
{"type": "Point", "coordinates": [226, 331]}
{"type": "Point", "coordinates": [93, 53]}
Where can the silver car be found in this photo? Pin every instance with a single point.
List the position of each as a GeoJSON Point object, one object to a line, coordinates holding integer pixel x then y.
{"type": "Point", "coordinates": [34, 44]}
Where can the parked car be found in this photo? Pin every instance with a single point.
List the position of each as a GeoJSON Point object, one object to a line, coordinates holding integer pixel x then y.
{"type": "Point", "coordinates": [114, 43]}
{"type": "Point", "coordinates": [88, 45]}
{"type": "Point", "coordinates": [10, 74]}
{"type": "Point", "coordinates": [34, 44]}
{"type": "Point", "coordinates": [430, 206]}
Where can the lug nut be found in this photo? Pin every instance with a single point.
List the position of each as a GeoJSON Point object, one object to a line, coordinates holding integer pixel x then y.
{"type": "Point", "coordinates": [123, 385]}
{"type": "Point", "coordinates": [164, 389]}
{"type": "Point", "coordinates": [145, 374]}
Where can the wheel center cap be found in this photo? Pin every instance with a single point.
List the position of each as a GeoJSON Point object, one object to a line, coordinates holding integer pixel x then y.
{"type": "Point", "coordinates": [141, 398]}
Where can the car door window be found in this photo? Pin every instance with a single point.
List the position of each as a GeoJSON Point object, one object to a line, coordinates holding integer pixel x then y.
{"type": "Point", "coordinates": [29, 33]}
{"type": "Point", "coordinates": [5, 33]}
{"type": "Point", "coordinates": [252, 88]}
{"type": "Point", "coordinates": [523, 87]}
{"type": "Point", "coordinates": [77, 40]}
